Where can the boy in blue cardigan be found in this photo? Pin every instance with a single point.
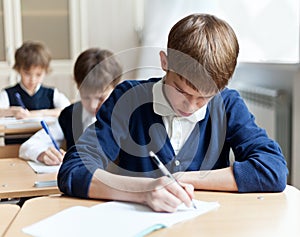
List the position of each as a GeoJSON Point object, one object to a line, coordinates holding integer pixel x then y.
{"type": "Point", "coordinates": [188, 118]}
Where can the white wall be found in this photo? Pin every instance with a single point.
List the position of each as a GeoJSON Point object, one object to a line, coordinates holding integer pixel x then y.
{"type": "Point", "coordinates": [111, 25]}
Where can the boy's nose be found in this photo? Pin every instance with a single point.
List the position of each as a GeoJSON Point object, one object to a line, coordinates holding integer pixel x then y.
{"type": "Point", "coordinates": [190, 106]}
{"type": "Point", "coordinates": [33, 78]}
{"type": "Point", "coordinates": [191, 103]}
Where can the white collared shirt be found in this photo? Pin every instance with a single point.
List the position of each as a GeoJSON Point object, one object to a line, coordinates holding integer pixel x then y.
{"type": "Point", "coordinates": [59, 99]}
{"type": "Point", "coordinates": [40, 141]}
{"type": "Point", "coordinates": [87, 118]}
{"type": "Point", "coordinates": [178, 128]}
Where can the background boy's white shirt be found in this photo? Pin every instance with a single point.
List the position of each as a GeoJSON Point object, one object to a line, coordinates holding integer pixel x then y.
{"type": "Point", "coordinates": [87, 118]}
{"type": "Point", "coordinates": [59, 99]}
{"type": "Point", "coordinates": [4, 101]}
{"type": "Point", "coordinates": [40, 142]}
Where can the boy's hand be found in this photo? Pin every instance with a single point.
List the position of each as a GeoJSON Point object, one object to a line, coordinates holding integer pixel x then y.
{"type": "Point", "coordinates": [51, 156]}
{"type": "Point", "coordinates": [166, 195]}
{"type": "Point", "coordinates": [18, 112]}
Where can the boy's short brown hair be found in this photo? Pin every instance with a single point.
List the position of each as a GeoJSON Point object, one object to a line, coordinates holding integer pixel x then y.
{"type": "Point", "coordinates": [32, 54]}
{"type": "Point", "coordinates": [95, 69]}
{"type": "Point", "coordinates": [202, 45]}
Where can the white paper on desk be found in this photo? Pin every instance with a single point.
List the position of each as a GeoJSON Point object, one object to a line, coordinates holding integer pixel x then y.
{"type": "Point", "coordinates": [13, 123]}
{"type": "Point", "coordinates": [113, 219]}
{"type": "Point", "coordinates": [42, 168]}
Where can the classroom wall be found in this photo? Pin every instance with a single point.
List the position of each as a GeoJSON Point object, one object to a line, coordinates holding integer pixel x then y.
{"type": "Point", "coordinates": [112, 25]}
{"type": "Point", "coordinates": [296, 135]}
{"type": "Point", "coordinates": [108, 25]}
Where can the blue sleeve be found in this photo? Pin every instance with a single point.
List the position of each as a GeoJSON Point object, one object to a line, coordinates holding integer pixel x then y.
{"type": "Point", "coordinates": [259, 163]}
{"type": "Point", "coordinates": [97, 148]}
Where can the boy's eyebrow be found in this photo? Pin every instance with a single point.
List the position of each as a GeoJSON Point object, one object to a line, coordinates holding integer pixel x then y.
{"type": "Point", "coordinates": [202, 96]}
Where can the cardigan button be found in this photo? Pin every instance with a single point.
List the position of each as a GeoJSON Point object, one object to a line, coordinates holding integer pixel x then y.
{"type": "Point", "coordinates": [177, 162]}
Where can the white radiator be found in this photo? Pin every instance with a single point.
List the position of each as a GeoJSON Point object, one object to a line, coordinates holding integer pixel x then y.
{"type": "Point", "coordinates": [272, 111]}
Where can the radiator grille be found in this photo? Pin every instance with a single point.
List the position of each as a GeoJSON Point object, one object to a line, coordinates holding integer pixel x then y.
{"type": "Point", "coordinates": [272, 111]}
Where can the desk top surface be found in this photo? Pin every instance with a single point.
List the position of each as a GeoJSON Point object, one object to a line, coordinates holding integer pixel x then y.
{"type": "Point", "coordinates": [17, 180]}
{"type": "Point", "coordinates": [11, 125]}
{"type": "Point", "coordinates": [253, 214]}
{"type": "Point", "coordinates": [7, 214]}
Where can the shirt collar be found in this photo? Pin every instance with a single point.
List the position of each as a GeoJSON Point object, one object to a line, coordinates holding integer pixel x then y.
{"type": "Point", "coordinates": [162, 107]}
{"type": "Point", "coordinates": [87, 118]}
{"type": "Point", "coordinates": [24, 88]}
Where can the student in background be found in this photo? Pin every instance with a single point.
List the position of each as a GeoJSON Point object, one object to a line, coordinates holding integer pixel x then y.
{"type": "Point", "coordinates": [29, 98]}
{"type": "Point", "coordinates": [189, 118]}
{"type": "Point", "coordinates": [96, 73]}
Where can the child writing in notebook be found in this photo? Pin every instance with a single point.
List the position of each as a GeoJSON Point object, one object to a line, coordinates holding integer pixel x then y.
{"type": "Point", "coordinates": [29, 98]}
{"type": "Point", "coordinates": [96, 73]}
{"type": "Point", "coordinates": [188, 118]}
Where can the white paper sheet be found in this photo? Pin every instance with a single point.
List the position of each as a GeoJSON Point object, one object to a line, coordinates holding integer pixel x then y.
{"type": "Point", "coordinates": [42, 168]}
{"type": "Point", "coordinates": [113, 219]}
{"type": "Point", "coordinates": [13, 123]}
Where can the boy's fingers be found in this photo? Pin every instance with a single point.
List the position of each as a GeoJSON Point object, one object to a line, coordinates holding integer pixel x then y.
{"type": "Point", "coordinates": [180, 192]}
{"type": "Point", "coordinates": [189, 189]}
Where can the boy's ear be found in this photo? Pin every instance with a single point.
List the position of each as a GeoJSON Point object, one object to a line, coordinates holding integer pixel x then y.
{"type": "Point", "coordinates": [163, 60]}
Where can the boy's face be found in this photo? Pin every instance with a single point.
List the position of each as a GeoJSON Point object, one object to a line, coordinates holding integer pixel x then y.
{"type": "Point", "coordinates": [32, 78]}
{"type": "Point", "coordinates": [93, 101]}
{"type": "Point", "coordinates": [183, 99]}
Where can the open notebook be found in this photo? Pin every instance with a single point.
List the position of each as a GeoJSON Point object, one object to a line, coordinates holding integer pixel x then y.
{"type": "Point", "coordinates": [35, 122]}
{"type": "Point", "coordinates": [41, 168]}
{"type": "Point", "coordinates": [113, 219]}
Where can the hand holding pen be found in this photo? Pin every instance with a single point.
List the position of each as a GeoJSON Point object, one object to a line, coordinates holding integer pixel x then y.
{"type": "Point", "coordinates": [53, 155]}
{"type": "Point", "coordinates": [166, 172]}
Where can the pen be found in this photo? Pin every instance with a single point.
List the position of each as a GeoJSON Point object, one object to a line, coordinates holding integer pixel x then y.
{"type": "Point", "coordinates": [19, 99]}
{"type": "Point", "coordinates": [46, 128]}
{"type": "Point", "coordinates": [165, 171]}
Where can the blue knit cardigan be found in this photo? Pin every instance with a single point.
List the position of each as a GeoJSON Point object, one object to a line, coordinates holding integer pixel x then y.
{"type": "Point", "coordinates": [127, 129]}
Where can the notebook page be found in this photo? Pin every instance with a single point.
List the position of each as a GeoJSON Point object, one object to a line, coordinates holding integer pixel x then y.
{"type": "Point", "coordinates": [113, 219]}
{"type": "Point", "coordinates": [42, 168]}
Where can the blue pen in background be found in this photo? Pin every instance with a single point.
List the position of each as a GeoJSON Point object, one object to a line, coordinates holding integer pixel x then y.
{"type": "Point", "coordinates": [19, 99]}
{"type": "Point", "coordinates": [46, 128]}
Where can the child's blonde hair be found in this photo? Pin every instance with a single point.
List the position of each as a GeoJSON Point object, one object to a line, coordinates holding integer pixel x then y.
{"type": "Point", "coordinates": [32, 54]}
{"type": "Point", "coordinates": [203, 46]}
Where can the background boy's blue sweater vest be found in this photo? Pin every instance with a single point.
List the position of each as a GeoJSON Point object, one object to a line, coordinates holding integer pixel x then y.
{"type": "Point", "coordinates": [42, 99]}
{"type": "Point", "coordinates": [70, 121]}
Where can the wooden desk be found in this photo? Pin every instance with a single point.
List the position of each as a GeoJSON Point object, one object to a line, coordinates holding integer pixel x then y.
{"type": "Point", "coordinates": [7, 214]}
{"type": "Point", "coordinates": [9, 151]}
{"type": "Point", "coordinates": [255, 214]}
{"type": "Point", "coordinates": [21, 130]}
{"type": "Point", "coordinates": [39, 208]}
{"type": "Point", "coordinates": [12, 150]}
{"type": "Point", "coordinates": [17, 180]}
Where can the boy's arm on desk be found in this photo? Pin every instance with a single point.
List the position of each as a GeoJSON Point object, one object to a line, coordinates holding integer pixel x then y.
{"type": "Point", "coordinates": [159, 194]}
{"type": "Point", "coordinates": [220, 179]}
